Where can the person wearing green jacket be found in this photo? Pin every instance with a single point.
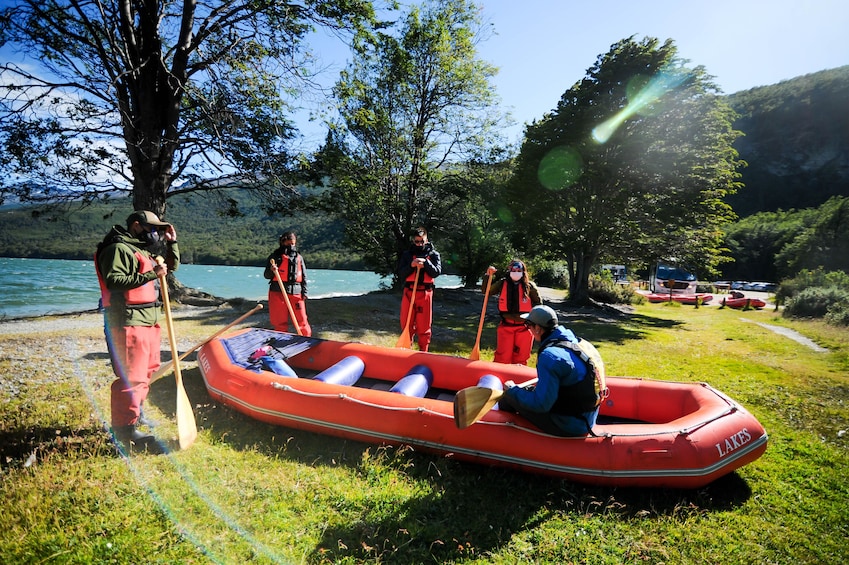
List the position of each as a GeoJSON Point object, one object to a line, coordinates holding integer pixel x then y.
{"type": "Point", "coordinates": [128, 273]}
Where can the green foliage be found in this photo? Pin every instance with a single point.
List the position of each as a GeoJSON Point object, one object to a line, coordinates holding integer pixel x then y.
{"type": "Point", "coordinates": [816, 294]}
{"type": "Point", "coordinates": [472, 225]}
{"type": "Point", "coordinates": [413, 102]}
{"type": "Point", "coordinates": [754, 242]}
{"type": "Point", "coordinates": [771, 245]}
{"type": "Point", "coordinates": [602, 288]}
{"type": "Point", "coordinates": [838, 313]}
{"type": "Point", "coordinates": [823, 244]}
{"type": "Point", "coordinates": [808, 278]}
{"type": "Point", "coordinates": [817, 302]}
{"type": "Point", "coordinates": [635, 161]}
{"type": "Point", "coordinates": [549, 273]}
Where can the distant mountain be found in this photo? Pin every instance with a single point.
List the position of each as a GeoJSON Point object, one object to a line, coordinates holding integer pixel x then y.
{"type": "Point", "coordinates": [796, 142]}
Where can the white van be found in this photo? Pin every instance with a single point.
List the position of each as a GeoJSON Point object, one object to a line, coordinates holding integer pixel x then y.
{"type": "Point", "coordinates": [665, 277]}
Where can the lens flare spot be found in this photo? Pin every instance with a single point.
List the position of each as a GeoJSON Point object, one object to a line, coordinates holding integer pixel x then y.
{"type": "Point", "coordinates": [560, 168]}
{"type": "Point", "coordinates": [643, 96]}
{"type": "Point", "coordinates": [505, 215]}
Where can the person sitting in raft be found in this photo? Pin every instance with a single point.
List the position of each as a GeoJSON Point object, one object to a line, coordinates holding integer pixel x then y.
{"type": "Point", "coordinates": [564, 401]}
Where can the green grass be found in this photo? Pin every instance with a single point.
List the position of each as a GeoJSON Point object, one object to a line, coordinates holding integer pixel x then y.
{"type": "Point", "coordinates": [248, 492]}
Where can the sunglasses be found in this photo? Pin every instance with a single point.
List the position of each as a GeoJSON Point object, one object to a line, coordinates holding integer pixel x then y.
{"type": "Point", "coordinates": [418, 241]}
{"type": "Point", "coordinates": [529, 325]}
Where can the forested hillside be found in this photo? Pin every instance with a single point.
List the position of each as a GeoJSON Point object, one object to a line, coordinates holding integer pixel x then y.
{"type": "Point", "coordinates": [796, 142]}
{"type": "Point", "coordinates": [205, 235]}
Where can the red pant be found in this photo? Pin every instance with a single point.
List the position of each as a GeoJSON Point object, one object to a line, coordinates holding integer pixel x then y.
{"type": "Point", "coordinates": [514, 344]}
{"type": "Point", "coordinates": [422, 318]}
{"type": "Point", "coordinates": [279, 313]}
{"type": "Point", "coordinates": [135, 356]}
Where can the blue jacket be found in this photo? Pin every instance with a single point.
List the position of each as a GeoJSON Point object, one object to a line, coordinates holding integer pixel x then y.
{"type": "Point", "coordinates": [556, 367]}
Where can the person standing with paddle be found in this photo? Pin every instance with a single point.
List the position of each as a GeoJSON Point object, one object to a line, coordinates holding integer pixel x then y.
{"type": "Point", "coordinates": [128, 275]}
{"type": "Point", "coordinates": [565, 401]}
{"type": "Point", "coordinates": [418, 267]}
{"type": "Point", "coordinates": [286, 262]}
{"type": "Point", "coordinates": [517, 294]}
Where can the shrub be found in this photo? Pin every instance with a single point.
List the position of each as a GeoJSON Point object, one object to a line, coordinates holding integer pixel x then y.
{"type": "Point", "coordinates": [807, 278]}
{"type": "Point", "coordinates": [603, 289]}
{"type": "Point", "coordinates": [838, 314]}
{"type": "Point", "coordinates": [816, 302]}
{"type": "Point", "coordinates": [553, 274]}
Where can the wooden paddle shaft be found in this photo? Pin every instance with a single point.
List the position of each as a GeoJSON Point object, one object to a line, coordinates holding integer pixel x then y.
{"type": "Point", "coordinates": [167, 366]}
{"type": "Point", "coordinates": [475, 355]}
{"type": "Point", "coordinates": [286, 298]}
{"type": "Point", "coordinates": [186, 426]}
{"type": "Point", "coordinates": [405, 340]}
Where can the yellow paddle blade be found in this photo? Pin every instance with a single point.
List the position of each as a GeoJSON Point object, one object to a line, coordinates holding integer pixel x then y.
{"type": "Point", "coordinates": [187, 431]}
{"type": "Point", "coordinates": [472, 403]}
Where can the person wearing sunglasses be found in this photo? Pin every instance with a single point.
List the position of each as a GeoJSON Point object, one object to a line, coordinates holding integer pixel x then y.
{"type": "Point", "coordinates": [517, 294]}
{"type": "Point", "coordinates": [128, 273]}
{"type": "Point", "coordinates": [564, 401]}
{"type": "Point", "coordinates": [420, 259]}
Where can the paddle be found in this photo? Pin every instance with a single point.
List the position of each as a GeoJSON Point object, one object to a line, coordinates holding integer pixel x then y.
{"type": "Point", "coordinates": [476, 352]}
{"type": "Point", "coordinates": [187, 430]}
{"type": "Point", "coordinates": [286, 298]}
{"type": "Point", "coordinates": [167, 366]}
{"type": "Point", "coordinates": [473, 402]}
{"type": "Point", "coordinates": [405, 340]}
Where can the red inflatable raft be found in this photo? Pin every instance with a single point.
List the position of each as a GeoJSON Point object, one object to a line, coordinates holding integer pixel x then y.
{"type": "Point", "coordinates": [650, 433]}
{"type": "Point", "coordinates": [689, 299]}
{"type": "Point", "coordinates": [743, 302]}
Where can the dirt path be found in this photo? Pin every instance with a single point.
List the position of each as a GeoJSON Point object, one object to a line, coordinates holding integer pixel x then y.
{"type": "Point", "coordinates": [792, 334]}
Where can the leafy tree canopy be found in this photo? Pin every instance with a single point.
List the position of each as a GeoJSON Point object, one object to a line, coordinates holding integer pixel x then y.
{"type": "Point", "coordinates": [414, 103]}
{"type": "Point", "coordinates": [141, 96]}
{"type": "Point", "coordinates": [632, 166]}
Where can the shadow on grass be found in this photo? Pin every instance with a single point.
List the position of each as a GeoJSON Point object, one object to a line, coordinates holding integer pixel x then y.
{"type": "Point", "coordinates": [465, 509]}
{"type": "Point", "coordinates": [23, 447]}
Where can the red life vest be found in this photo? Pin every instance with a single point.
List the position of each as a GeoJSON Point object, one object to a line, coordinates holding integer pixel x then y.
{"type": "Point", "coordinates": [426, 279]}
{"type": "Point", "coordinates": [144, 294]}
{"type": "Point", "coordinates": [524, 302]}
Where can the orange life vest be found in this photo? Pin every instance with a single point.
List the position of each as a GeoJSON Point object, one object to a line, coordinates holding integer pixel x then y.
{"type": "Point", "coordinates": [524, 300]}
{"type": "Point", "coordinates": [144, 294]}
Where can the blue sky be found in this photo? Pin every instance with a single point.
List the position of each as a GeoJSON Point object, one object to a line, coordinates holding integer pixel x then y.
{"type": "Point", "coordinates": [544, 46]}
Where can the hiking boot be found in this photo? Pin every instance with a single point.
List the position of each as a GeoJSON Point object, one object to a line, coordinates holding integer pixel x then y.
{"type": "Point", "coordinates": [134, 440]}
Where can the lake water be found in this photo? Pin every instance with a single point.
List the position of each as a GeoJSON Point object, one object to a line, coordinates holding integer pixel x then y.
{"type": "Point", "coordinates": [35, 287]}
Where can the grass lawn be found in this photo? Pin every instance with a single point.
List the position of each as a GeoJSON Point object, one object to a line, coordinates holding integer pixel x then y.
{"type": "Point", "coordinates": [248, 492]}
